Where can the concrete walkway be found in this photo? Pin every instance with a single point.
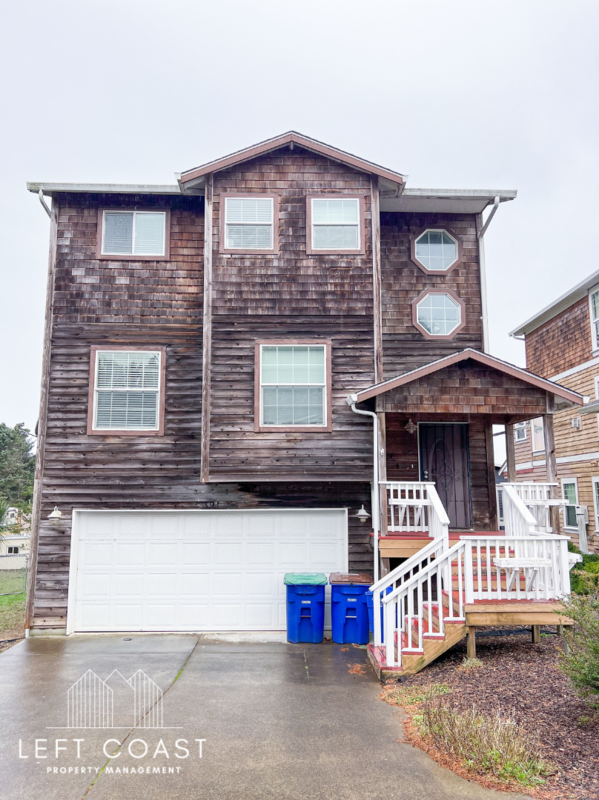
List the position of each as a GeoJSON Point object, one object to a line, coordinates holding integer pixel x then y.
{"type": "Point", "coordinates": [277, 721]}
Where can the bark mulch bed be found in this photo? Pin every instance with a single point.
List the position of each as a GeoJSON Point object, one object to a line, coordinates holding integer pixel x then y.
{"type": "Point", "coordinates": [525, 678]}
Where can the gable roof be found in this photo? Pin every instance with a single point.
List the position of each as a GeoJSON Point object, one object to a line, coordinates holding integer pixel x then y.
{"type": "Point", "coordinates": [571, 397]}
{"type": "Point", "coordinates": [561, 304]}
{"type": "Point", "coordinates": [291, 137]}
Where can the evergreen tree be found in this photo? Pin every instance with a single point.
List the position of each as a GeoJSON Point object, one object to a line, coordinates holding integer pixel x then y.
{"type": "Point", "coordinates": [17, 466]}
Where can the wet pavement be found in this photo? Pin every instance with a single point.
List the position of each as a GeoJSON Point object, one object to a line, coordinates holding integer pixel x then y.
{"type": "Point", "coordinates": [235, 722]}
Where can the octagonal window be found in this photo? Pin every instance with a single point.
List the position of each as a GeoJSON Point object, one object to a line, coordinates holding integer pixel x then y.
{"type": "Point", "coordinates": [436, 250]}
{"type": "Point", "coordinates": [439, 314]}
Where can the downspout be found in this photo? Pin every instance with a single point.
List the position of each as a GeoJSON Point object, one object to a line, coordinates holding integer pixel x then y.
{"type": "Point", "coordinates": [483, 274]}
{"type": "Point", "coordinates": [351, 401]}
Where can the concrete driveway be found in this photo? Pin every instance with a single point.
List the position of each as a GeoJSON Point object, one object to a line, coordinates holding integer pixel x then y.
{"type": "Point", "coordinates": [276, 721]}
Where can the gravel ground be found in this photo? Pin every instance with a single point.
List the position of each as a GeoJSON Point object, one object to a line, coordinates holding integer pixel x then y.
{"type": "Point", "coordinates": [524, 677]}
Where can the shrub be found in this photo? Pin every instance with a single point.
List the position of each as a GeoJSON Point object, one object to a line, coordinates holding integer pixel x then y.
{"type": "Point", "coordinates": [581, 662]}
{"type": "Point", "coordinates": [493, 745]}
{"type": "Point", "coordinates": [580, 572]}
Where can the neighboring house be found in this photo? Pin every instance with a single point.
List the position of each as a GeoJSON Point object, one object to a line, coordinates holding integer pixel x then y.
{"type": "Point", "coordinates": [562, 344]}
{"type": "Point", "coordinates": [206, 347]}
{"type": "Point", "coordinates": [14, 544]}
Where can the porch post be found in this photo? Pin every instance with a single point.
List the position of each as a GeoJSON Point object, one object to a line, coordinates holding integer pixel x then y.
{"type": "Point", "coordinates": [382, 459]}
{"type": "Point", "coordinates": [491, 484]}
{"type": "Point", "coordinates": [510, 449]}
{"type": "Point", "coordinates": [550, 459]}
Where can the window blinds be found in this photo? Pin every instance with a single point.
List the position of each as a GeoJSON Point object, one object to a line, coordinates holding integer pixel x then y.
{"type": "Point", "coordinates": [127, 390]}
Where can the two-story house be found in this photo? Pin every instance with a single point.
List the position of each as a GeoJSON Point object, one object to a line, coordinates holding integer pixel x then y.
{"type": "Point", "coordinates": [562, 344]}
{"type": "Point", "coordinates": [231, 366]}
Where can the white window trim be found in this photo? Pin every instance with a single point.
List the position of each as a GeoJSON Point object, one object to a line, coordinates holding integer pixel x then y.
{"type": "Point", "coordinates": [270, 224]}
{"type": "Point", "coordinates": [593, 291]}
{"type": "Point", "coordinates": [12, 550]}
{"type": "Point", "coordinates": [595, 504]}
{"type": "Point", "coordinates": [358, 225]}
{"type": "Point", "coordinates": [135, 212]}
{"type": "Point", "coordinates": [597, 396]}
{"type": "Point", "coordinates": [575, 482]}
{"type": "Point", "coordinates": [158, 391]}
{"type": "Point", "coordinates": [453, 239]}
{"type": "Point", "coordinates": [532, 436]}
{"type": "Point", "coordinates": [521, 427]}
{"type": "Point", "coordinates": [324, 386]}
{"type": "Point", "coordinates": [455, 303]}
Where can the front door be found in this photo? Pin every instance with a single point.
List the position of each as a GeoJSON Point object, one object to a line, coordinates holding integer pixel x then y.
{"type": "Point", "coordinates": [445, 461]}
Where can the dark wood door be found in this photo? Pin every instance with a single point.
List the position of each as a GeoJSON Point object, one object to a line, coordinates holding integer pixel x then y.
{"type": "Point", "coordinates": [445, 460]}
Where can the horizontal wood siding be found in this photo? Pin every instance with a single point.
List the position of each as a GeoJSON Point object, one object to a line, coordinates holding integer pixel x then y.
{"type": "Point", "coordinates": [404, 348]}
{"type": "Point", "coordinates": [92, 290]}
{"type": "Point", "coordinates": [467, 388]}
{"type": "Point", "coordinates": [561, 343]}
{"type": "Point", "coordinates": [238, 452]}
{"type": "Point", "coordinates": [403, 464]}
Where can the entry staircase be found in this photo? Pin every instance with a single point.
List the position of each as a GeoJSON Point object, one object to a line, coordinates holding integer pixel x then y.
{"type": "Point", "coordinates": [421, 608]}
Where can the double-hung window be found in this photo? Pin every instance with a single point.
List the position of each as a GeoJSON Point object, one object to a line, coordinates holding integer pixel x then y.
{"type": "Point", "coordinates": [292, 385]}
{"type": "Point", "coordinates": [334, 224]}
{"type": "Point", "coordinates": [570, 493]}
{"type": "Point", "coordinates": [133, 234]}
{"type": "Point", "coordinates": [538, 435]}
{"type": "Point", "coordinates": [12, 551]}
{"type": "Point", "coordinates": [594, 312]}
{"type": "Point", "coordinates": [520, 431]}
{"type": "Point", "coordinates": [249, 224]}
{"type": "Point", "coordinates": [127, 391]}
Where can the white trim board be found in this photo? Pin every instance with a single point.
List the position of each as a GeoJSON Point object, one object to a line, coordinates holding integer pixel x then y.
{"type": "Point", "coordinates": [574, 370]}
{"type": "Point", "coordinates": [562, 460]}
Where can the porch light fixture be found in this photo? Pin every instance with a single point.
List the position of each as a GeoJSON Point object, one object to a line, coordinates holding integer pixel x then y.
{"type": "Point", "coordinates": [55, 516]}
{"type": "Point", "coordinates": [362, 514]}
{"type": "Point", "coordinates": [410, 427]}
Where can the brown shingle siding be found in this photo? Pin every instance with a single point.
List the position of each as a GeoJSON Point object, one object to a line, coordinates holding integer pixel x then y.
{"type": "Point", "coordinates": [561, 343]}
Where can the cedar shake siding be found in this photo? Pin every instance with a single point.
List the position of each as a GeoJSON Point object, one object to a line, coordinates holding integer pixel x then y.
{"type": "Point", "coordinates": [404, 347]}
{"type": "Point", "coordinates": [290, 295]}
{"type": "Point", "coordinates": [562, 342]}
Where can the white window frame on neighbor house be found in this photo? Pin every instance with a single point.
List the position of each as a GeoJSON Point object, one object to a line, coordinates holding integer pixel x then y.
{"type": "Point", "coordinates": [520, 428]}
{"type": "Point", "coordinates": [161, 254]}
{"type": "Point", "coordinates": [12, 550]}
{"type": "Point", "coordinates": [226, 223]}
{"type": "Point", "coordinates": [94, 391]}
{"type": "Point", "coordinates": [566, 481]}
{"type": "Point", "coordinates": [594, 319]}
{"type": "Point", "coordinates": [597, 395]}
{"type": "Point", "coordinates": [259, 424]}
{"type": "Point", "coordinates": [596, 502]}
{"type": "Point", "coordinates": [358, 200]}
{"type": "Point", "coordinates": [534, 438]}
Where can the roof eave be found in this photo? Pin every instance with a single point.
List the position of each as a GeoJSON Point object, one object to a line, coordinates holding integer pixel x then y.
{"type": "Point", "coordinates": [51, 189]}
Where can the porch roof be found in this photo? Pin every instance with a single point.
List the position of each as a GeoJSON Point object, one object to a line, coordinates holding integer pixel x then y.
{"type": "Point", "coordinates": [564, 398]}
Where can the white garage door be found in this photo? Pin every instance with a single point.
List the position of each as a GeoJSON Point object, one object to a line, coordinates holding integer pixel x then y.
{"type": "Point", "coordinates": [195, 570]}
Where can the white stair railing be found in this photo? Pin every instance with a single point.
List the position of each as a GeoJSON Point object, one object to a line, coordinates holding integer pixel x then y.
{"type": "Point", "coordinates": [517, 518]}
{"type": "Point", "coordinates": [413, 506]}
{"type": "Point", "coordinates": [421, 607]}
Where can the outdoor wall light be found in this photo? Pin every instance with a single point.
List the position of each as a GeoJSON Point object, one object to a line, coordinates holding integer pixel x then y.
{"type": "Point", "coordinates": [55, 516]}
{"type": "Point", "coordinates": [362, 514]}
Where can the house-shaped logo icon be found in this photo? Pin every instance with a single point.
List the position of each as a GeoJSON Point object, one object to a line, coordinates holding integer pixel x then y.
{"type": "Point", "coordinates": [116, 702]}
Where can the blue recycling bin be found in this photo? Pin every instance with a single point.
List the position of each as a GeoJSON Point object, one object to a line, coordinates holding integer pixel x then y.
{"type": "Point", "coordinates": [349, 607]}
{"type": "Point", "coordinates": [305, 606]}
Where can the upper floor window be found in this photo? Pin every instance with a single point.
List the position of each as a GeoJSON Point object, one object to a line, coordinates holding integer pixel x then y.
{"type": "Point", "coordinates": [334, 224]}
{"type": "Point", "coordinates": [520, 431]}
{"type": "Point", "coordinates": [134, 234]}
{"type": "Point", "coordinates": [249, 224]}
{"type": "Point", "coordinates": [594, 310]}
{"type": "Point", "coordinates": [436, 250]}
{"type": "Point", "coordinates": [438, 314]}
{"type": "Point", "coordinates": [293, 385]}
{"type": "Point", "coordinates": [127, 391]}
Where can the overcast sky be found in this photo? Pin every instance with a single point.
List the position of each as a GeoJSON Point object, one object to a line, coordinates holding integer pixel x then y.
{"type": "Point", "coordinates": [457, 94]}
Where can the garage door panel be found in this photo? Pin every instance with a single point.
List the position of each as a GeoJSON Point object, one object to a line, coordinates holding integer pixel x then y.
{"type": "Point", "coordinates": [197, 570]}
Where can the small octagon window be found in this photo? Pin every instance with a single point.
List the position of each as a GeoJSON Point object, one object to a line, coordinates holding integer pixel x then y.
{"type": "Point", "coordinates": [438, 314]}
{"type": "Point", "coordinates": [436, 250]}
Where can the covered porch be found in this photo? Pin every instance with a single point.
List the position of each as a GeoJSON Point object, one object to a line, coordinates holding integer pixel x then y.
{"type": "Point", "coordinates": [446, 566]}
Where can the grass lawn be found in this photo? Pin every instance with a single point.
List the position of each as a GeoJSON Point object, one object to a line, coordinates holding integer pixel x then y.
{"type": "Point", "coordinates": [12, 618]}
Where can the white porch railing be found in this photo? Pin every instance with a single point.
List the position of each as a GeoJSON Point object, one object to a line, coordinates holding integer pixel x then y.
{"type": "Point", "coordinates": [517, 519]}
{"type": "Point", "coordinates": [421, 605]}
{"type": "Point", "coordinates": [537, 499]}
{"type": "Point", "coordinates": [415, 507]}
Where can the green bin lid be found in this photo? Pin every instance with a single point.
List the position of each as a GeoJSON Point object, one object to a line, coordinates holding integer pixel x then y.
{"type": "Point", "coordinates": [305, 579]}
